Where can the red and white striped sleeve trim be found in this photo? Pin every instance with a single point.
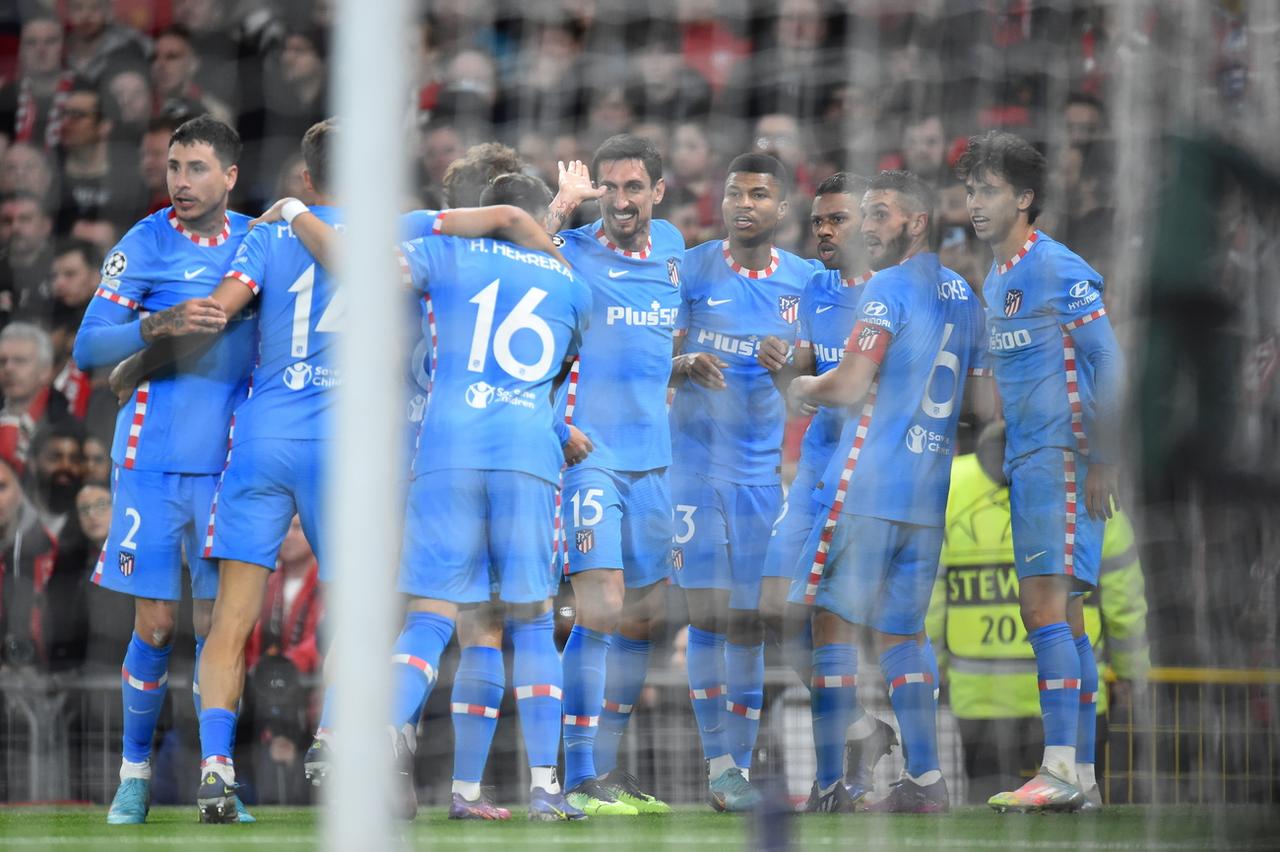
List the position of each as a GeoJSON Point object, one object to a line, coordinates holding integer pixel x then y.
{"type": "Point", "coordinates": [1069, 521]}
{"type": "Point", "coordinates": [463, 709]}
{"type": "Point", "coordinates": [539, 690]}
{"type": "Point", "coordinates": [406, 277]}
{"type": "Point", "coordinates": [1087, 318]}
{"type": "Point", "coordinates": [245, 280]}
{"type": "Point", "coordinates": [571, 395]}
{"type": "Point", "coordinates": [437, 227]}
{"type": "Point", "coordinates": [113, 296]}
{"type": "Point", "coordinates": [140, 398]}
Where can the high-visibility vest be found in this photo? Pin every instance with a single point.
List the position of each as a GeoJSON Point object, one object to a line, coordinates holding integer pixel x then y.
{"type": "Point", "coordinates": [975, 620]}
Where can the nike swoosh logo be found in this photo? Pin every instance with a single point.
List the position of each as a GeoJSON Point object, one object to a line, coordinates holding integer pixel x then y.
{"type": "Point", "coordinates": [824, 309]}
{"type": "Point", "coordinates": [618, 273]}
{"type": "Point", "coordinates": [139, 712]}
{"type": "Point", "coordinates": [713, 302]}
{"type": "Point", "coordinates": [1035, 555]}
{"type": "Point", "coordinates": [192, 273]}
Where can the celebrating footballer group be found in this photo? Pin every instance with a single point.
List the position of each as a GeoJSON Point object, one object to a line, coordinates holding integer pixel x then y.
{"type": "Point", "coordinates": [607, 409]}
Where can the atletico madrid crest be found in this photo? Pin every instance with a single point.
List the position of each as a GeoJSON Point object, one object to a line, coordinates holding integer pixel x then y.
{"type": "Point", "coordinates": [867, 338]}
{"type": "Point", "coordinates": [126, 563]}
{"type": "Point", "coordinates": [677, 558]}
{"type": "Point", "coordinates": [585, 540]}
{"type": "Point", "coordinates": [673, 272]}
{"type": "Point", "coordinates": [789, 308]}
{"type": "Point", "coordinates": [1012, 302]}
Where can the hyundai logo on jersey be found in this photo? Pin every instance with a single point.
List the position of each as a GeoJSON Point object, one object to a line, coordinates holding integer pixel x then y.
{"type": "Point", "coordinates": [875, 309]}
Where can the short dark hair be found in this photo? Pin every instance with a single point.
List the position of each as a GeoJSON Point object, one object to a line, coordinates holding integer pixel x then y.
{"type": "Point", "coordinates": [218, 135]}
{"type": "Point", "coordinates": [24, 195]}
{"type": "Point", "coordinates": [906, 184]}
{"type": "Point", "coordinates": [468, 176]}
{"type": "Point", "coordinates": [81, 86]}
{"type": "Point", "coordinates": [845, 182]}
{"type": "Point", "coordinates": [177, 31]}
{"type": "Point", "coordinates": [1010, 157]}
{"type": "Point", "coordinates": [1086, 99]}
{"type": "Point", "coordinates": [317, 151]}
{"type": "Point", "coordinates": [62, 427]}
{"type": "Point", "coordinates": [71, 245]}
{"type": "Point", "coordinates": [527, 192]}
{"type": "Point", "coordinates": [761, 164]}
{"type": "Point", "coordinates": [627, 146]}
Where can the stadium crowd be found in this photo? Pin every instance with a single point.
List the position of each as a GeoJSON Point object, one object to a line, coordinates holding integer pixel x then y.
{"type": "Point", "coordinates": [91, 91]}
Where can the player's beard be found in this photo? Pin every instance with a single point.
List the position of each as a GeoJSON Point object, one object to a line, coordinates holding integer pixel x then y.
{"type": "Point", "coordinates": [894, 251]}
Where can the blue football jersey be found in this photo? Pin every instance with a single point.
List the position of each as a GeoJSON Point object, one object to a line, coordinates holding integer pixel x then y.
{"type": "Point", "coordinates": [414, 224]}
{"type": "Point", "coordinates": [618, 392]}
{"type": "Point", "coordinates": [896, 447]}
{"type": "Point", "coordinates": [735, 433]}
{"type": "Point", "coordinates": [1033, 303]}
{"type": "Point", "coordinates": [828, 309]}
{"type": "Point", "coordinates": [178, 420]}
{"type": "Point", "coordinates": [506, 319]}
{"type": "Point", "coordinates": [299, 307]}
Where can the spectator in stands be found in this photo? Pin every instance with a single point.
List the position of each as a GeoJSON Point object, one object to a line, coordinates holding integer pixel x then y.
{"type": "Point", "coordinates": [103, 233]}
{"type": "Point", "coordinates": [55, 471]}
{"type": "Point", "coordinates": [609, 112]}
{"type": "Point", "coordinates": [216, 37]}
{"type": "Point", "coordinates": [1084, 118]}
{"type": "Point", "coordinates": [782, 136]}
{"type": "Point", "coordinates": [958, 245]}
{"type": "Point", "coordinates": [94, 181]}
{"type": "Point", "coordinates": [439, 144]}
{"type": "Point", "coordinates": [76, 275]}
{"type": "Point", "coordinates": [27, 555]}
{"type": "Point", "coordinates": [27, 254]}
{"type": "Point", "coordinates": [31, 105]}
{"type": "Point", "coordinates": [1088, 174]}
{"type": "Point", "coordinates": [471, 76]}
{"type": "Point", "coordinates": [173, 72]}
{"type": "Point", "coordinates": [153, 161]}
{"type": "Point", "coordinates": [695, 184]}
{"type": "Point", "coordinates": [109, 614]}
{"type": "Point", "coordinates": [924, 148]}
{"type": "Point", "coordinates": [24, 168]}
{"type": "Point", "coordinates": [95, 41]}
{"type": "Point", "coordinates": [548, 88]}
{"type": "Point", "coordinates": [295, 96]}
{"type": "Point", "coordinates": [667, 89]}
{"type": "Point", "coordinates": [97, 461]}
{"type": "Point", "coordinates": [26, 371]}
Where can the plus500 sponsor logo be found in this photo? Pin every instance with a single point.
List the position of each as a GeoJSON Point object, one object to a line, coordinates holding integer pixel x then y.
{"type": "Point", "coordinates": [617, 314]}
{"type": "Point", "coordinates": [1001, 340]}
{"type": "Point", "coordinates": [727, 343]}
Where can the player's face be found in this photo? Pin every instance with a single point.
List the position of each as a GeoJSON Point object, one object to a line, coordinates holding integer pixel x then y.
{"type": "Point", "coordinates": [836, 221]}
{"type": "Point", "coordinates": [198, 184]}
{"type": "Point", "coordinates": [753, 206]}
{"type": "Point", "coordinates": [886, 228]}
{"type": "Point", "coordinates": [994, 205]}
{"type": "Point", "coordinates": [628, 200]}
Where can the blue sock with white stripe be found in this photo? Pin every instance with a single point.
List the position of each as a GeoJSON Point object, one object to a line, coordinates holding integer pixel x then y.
{"type": "Point", "coordinates": [744, 679]}
{"type": "Point", "coordinates": [1087, 723]}
{"type": "Point", "coordinates": [477, 695]}
{"type": "Point", "coordinates": [911, 694]}
{"type": "Point", "coordinates": [833, 695]}
{"type": "Point", "coordinates": [416, 656]}
{"type": "Point", "coordinates": [705, 662]}
{"type": "Point", "coordinates": [144, 680]}
{"type": "Point", "coordinates": [1058, 671]}
{"type": "Point", "coordinates": [625, 671]}
{"type": "Point", "coordinates": [217, 733]}
{"type": "Point", "coordinates": [584, 667]}
{"type": "Point", "coordinates": [195, 675]}
{"type": "Point", "coordinates": [539, 683]}
{"type": "Point", "coordinates": [931, 665]}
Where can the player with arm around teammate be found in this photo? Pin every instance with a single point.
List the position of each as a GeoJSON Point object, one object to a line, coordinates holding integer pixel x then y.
{"type": "Point", "coordinates": [1059, 373]}
{"type": "Point", "coordinates": [918, 338]}
{"type": "Point", "coordinates": [172, 431]}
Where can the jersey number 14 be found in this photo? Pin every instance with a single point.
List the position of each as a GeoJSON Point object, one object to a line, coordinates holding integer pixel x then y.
{"type": "Point", "coordinates": [304, 287]}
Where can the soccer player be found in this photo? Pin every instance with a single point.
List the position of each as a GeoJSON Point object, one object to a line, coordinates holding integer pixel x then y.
{"type": "Point", "coordinates": [918, 336]}
{"type": "Point", "coordinates": [828, 309]}
{"type": "Point", "coordinates": [1059, 372]}
{"type": "Point", "coordinates": [727, 419]}
{"type": "Point", "coordinates": [171, 435]}
{"type": "Point", "coordinates": [618, 505]}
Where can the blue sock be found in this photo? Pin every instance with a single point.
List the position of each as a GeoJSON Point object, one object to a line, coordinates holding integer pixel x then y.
{"type": "Point", "coordinates": [195, 675]}
{"type": "Point", "coordinates": [931, 665]}
{"type": "Point", "coordinates": [325, 725]}
{"type": "Point", "coordinates": [422, 641]}
{"type": "Point", "coordinates": [477, 695]}
{"type": "Point", "coordinates": [911, 694]}
{"type": "Point", "coordinates": [1087, 725]}
{"type": "Point", "coordinates": [1058, 670]}
{"type": "Point", "coordinates": [539, 683]}
{"type": "Point", "coordinates": [144, 680]}
{"type": "Point", "coordinates": [625, 671]}
{"type": "Point", "coordinates": [705, 661]}
{"type": "Point", "coordinates": [833, 695]}
{"type": "Point", "coordinates": [797, 650]}
{"type": "Point", "coordinates": [217, 730]}
{"type": "Point", "coordinates": [584, 662]}
{"type": "Point", "coordinates": [744, 680]}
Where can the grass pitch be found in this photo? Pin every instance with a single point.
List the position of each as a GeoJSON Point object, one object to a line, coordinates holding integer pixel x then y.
{"type": "Point", "coordinates": [1157, 828]}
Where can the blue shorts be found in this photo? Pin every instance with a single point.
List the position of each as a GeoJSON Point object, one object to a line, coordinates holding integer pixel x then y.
{"type": "Point", "coordinates": [878, 573]}
{"type": "Point", "coordinates": [722, 533]}
{"type": "Point", "coordinates": [155, 519]}
{"type": "Point", "coordinates": [618, 519]}
{"type": "Point", "coordinates": [787, 556]}
{"type": "Point", "coordinates": [267, 482]}
{"type": "Point", "coordinates": [1052, 531]}
{"type": "Point", "coordinates": [472, 534]}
